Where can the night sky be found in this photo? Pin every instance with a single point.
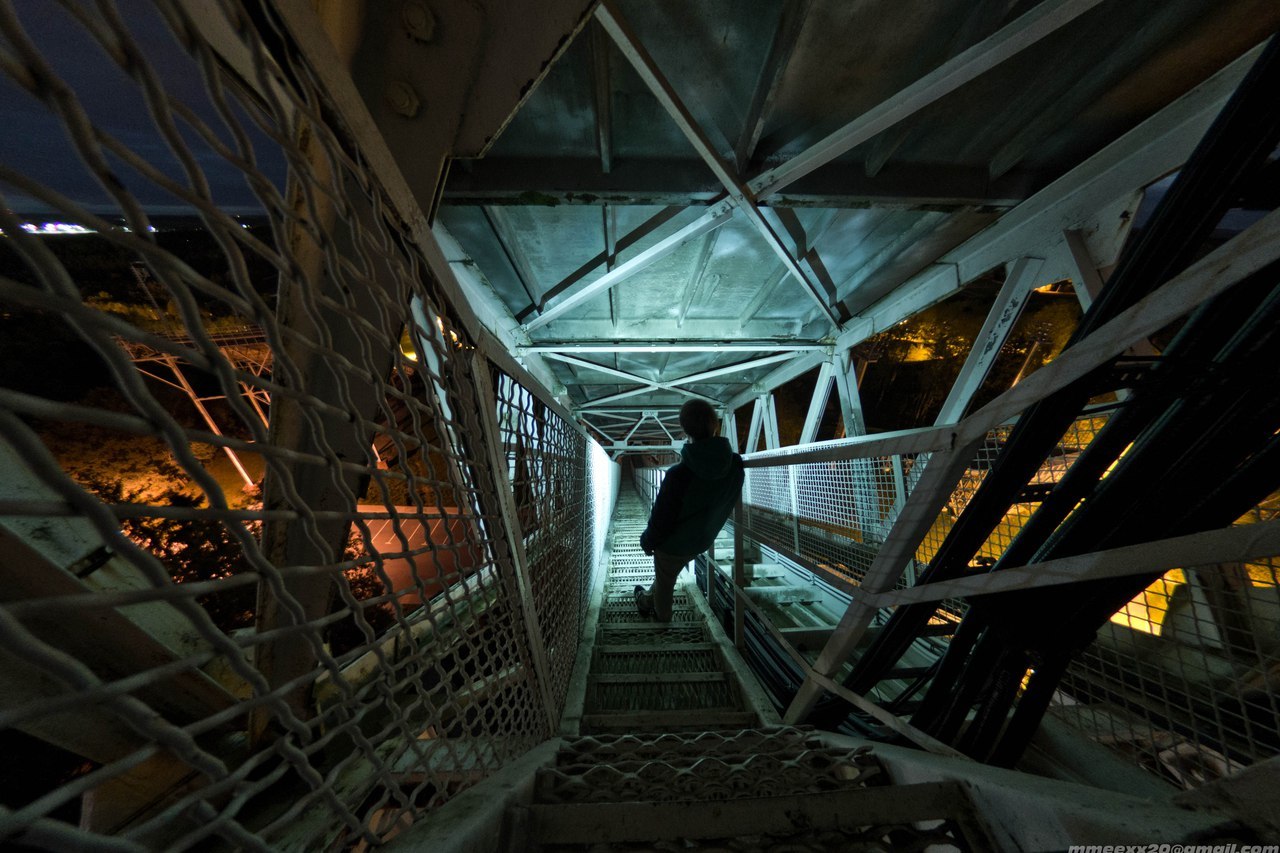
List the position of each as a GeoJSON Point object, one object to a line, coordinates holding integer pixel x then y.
{"type": "Point", "coordinates": [35, 143]}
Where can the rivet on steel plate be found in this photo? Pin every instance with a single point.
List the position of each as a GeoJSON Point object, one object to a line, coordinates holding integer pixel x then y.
{"type": "Point", "coordinates": [402, 99]}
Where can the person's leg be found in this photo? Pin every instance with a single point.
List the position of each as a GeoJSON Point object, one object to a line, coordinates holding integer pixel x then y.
{"type": "Point", "coordinates": [666, 568]}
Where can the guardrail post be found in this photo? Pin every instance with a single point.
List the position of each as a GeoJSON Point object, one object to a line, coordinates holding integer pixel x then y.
{"type": "Point", "coordinates": [739, 575]}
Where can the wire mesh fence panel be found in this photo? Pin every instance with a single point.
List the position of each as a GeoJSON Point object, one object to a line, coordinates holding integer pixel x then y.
{"type": "Point", "coordinates": [549, 467]}
{"type": "Point", "coordinates": [259, 588]}
{"type": "Point", "coordinates": [832, 516]}
{"type": "Point", "coordinates": [647, 482]}
{"type": "Point", "coordinates": [1183, 680]}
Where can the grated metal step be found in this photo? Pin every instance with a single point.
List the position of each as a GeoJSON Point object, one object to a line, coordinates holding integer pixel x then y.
{"type": "Point", "coordinates": [653, 675]}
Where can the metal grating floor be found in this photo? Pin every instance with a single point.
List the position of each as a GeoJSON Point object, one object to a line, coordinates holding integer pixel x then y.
{"type": "Point", "coordinates": [648, 675]}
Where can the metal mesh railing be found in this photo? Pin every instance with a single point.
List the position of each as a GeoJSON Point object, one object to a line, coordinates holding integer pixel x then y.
{"type": "Point", "coordinates": [831, 516]}
{"type": "Point", "coordinates": [550, 466]}
{"type": "Point", "coordinates": [647, 482]}
{"type": "Point", "coordinates": [325, 656]}
{"type": "Point", "coordinates": [1182, 681]}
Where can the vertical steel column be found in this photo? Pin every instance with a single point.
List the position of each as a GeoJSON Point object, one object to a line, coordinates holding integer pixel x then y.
{"type": "Point", "coordinates": [757, 420]}
{"type": "Point", "coordinates": [771, 440]}
{"type": "Point", "coordinates": [850, 399]}
{"type": "Point", "coordinates": [739, 575]}
{"type": "Point", "coordinates": [899, 501]}
{"type": "Point", "coordinates": [729, 429]}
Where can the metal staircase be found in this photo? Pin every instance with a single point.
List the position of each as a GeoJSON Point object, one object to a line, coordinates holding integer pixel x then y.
{"type": "Point", "coordinates": [674, 747]}
{"type": "Point", "coordinates": [655, 676]}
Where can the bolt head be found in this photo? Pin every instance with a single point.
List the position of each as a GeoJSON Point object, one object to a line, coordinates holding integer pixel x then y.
{"type": "Point", "coordinates": [419, 22]}
{"type": "Point", "coordinates": [402, 99]}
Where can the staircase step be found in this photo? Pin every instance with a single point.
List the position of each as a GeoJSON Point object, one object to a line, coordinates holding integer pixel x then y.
{"type": "Point", "coordinates": [683, 721]}
{"type": "Point", "coordinates": [651, 633]}
{"type": "Point", "coordinates": [655, 658]}
{"type": "Point", "coordinates": [685, 692]}
{"type": "Point", "coordinates": [880, 818]}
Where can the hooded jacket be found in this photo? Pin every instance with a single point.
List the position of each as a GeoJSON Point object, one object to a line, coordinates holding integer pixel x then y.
{"type": "Point", "coordinates": [696, 498]}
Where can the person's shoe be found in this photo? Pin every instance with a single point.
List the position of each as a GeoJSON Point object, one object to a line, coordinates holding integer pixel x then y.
{"type": "Point", "coordinates": [645, 608]}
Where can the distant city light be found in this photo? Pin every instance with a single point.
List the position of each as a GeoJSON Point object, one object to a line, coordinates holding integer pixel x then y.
{"type": "Point", "coordinates": [45, 228]}
{"type": "Point", "coordinates": [55, 228]}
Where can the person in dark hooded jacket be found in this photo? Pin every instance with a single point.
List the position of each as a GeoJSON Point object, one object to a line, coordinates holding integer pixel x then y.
{"type": "Point", "coordinates": [696, 497]}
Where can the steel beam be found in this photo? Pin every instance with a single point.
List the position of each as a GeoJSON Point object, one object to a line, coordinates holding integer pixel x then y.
{"type": "Point", "coordinates": [817, 403]}
{"type": "Point", "coordinates": [1141, 156]}
{"type": "Point", "coordinates": [1205, 550]}
{"type": "Point", "coordinates": [672, 346]}
{"type": "Point", "coordinates": [762, 295]}
{"type": "Point", "coordinates": [982, 17]}
{"type": "Point", "coordinates": [608, 15]}
{"type": "Point", "coordinates": [589, 405]}
{"type": "Point", "coordinates": [785, 38]}
{"type": "Point", "coordinates": [1086, 282]}
{"type": "Point", "coordinates": [1144, 154]}
{"type": "Point", "coordinates": [931, 493]}
{"type": "Point", "coordinates": [1085, 84]}
{"type": "Point", "coordinates": [729, 429]}
{"type": "Point", "coordinates": [716, 216]}
{"type": "Point", "coordinates": [697, 274]}
{"type": "Point", "coordinates": [730, 369]}
{"type": "Point", "coordinates": [757, 421]}
{"type": "Point", "coordinates": [686, 183]}
{"type": "Point", "coordinates": [672, 384]}
{"type": "Point", "coordinates": [1041, 21]}
{"type": "Point", "coordinates": [772, 440]}
{"type": "Point", "coordinates": [855, 422]}
{"type": "Point", "coordinates": [1006, 309]}
{"type": "Point", "coordinates": [602, 89]}
{"type": "Point", "coordinates": [510, 246]}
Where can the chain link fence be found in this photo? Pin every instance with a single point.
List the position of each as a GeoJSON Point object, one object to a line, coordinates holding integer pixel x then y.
{"type": "Point", "coordinates": [329, 565]}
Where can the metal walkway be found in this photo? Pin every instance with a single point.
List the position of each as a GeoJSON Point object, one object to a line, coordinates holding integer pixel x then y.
{"type": "Point", "coordinates": [675, 746]}
{"type": "Point", "coordinates": [653, 676]}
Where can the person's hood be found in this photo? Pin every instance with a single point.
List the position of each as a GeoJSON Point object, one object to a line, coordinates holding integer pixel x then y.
{"type": "Point", "coordinates": [710, 459]}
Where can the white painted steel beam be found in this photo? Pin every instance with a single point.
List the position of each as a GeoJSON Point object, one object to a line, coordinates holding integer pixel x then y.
{"type": "Point", "coordinates": [1041, 21]}
{"type": "Point", "coordinates": [1159, 145]}
{"type": "Point", "coordinates": [1208, 549]}
{"type": "Point", "coordinates": [635, 410]}
{"type": "Point", "coordinates": [729, 429]}
{"type": "Point", "coordinates": [716, 216]}
{"type": "Point", "coordinates": [1152, 149]}
{"type": "Point", "coordinates": [605, 369]}
{"type": "Point", "coordinates": [668, 385]}
{"type": "Point", "coordinates": [1019, 279]}
{"type": "Point", "coordinates": [1086, 282]}
{"type": "Point", "coordinates": [1247, 253]}
{"type": "Point", "coordinates": [785, 39]}
{"type": "Point", "coordinates": [1244, 255]}
{"type": "Point", "coordinates": [855, 422]}
{"type": "Point", "coordinates": [717, 372]}
{"type": "Point", "coordinates": [772, 440]}
{"type": "Point", "coordinates": [757, 421]}
{"type": "Point", "coordinates": [817, 403]}
{"type": "Point", "coordinates": [672, 346]}
{"type": "Point", "coordinates": [611, 19]}
{"type": "Point", "coordinates": [635, 392]}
